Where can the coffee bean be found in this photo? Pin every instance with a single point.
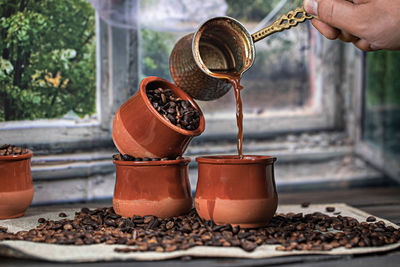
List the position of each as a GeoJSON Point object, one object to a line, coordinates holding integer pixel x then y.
{"type": "Point", "coordinates": [147, 219]}
{"type": "Point", "coordinates": [171, 118]}
{"type": "Point", "coordinates": [127, 157]}
{"type": "Point", "coordinates": [117, 157]}
{"type": "Point", "coordinates": [248, 246]}
{"type": "Point", "coordinates": [163, 98]}
{"type": "Point", "coordinates": [330, 209]}
{"type": "Point", "coordinates": [174, 110]}
{"type": "Point", "coordinates": [67, 226]}
{"type": "Point", "coordinates": [236, 229]}
{"type": "Point", "coordinates": [290, 231]}
{"type": "Point", "coordinates": [5, 146]}
{"type": "Point", "coordinates": [371, 219]}
{"type": "Point", "coordinates": [62, 214]}
{"type": "Point", "coordinates": [11, 150]}
{"type": "Point", "coordinates": [305, 204]}
{"type": "Point", "coordinates": [169, 225]}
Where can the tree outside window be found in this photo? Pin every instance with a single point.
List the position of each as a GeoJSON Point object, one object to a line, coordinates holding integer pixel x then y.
{"type": "Point", "coordinates": [47, 60]}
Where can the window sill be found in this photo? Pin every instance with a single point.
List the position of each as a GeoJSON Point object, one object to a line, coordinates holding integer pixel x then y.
{"type": "Point", "coordinates": [305, 162]}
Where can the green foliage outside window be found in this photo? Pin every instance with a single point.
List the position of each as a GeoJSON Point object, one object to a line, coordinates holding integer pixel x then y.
{"type": "Point", "coordinates": [383, 75]}
{"type": "Point", "coordinates": [47, 59]}
{"type": "Point", "coordinates": [155, 48]}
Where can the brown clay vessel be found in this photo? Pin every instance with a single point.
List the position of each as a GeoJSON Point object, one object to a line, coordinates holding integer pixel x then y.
{"type": "Point", "coordinates": [16, 187]}
{"type": "Point", "coordinates": [159, 188]}
{"type": "Point", "coordinates": [236, 191]}
{"type": "Point", "coordinates": [139, 130]}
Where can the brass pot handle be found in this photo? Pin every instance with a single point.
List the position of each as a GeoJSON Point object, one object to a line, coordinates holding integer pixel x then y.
{"type": "Point", "coordinates": [286, 21]}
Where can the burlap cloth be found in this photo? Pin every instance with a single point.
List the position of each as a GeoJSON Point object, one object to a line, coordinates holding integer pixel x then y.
{"type": "Point", "coordinates": [103, 252]}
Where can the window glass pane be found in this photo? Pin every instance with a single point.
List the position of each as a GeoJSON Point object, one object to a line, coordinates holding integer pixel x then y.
{"type": "Point", "coordinates": [382, 102]}
{"type": "Point", "coordinates": [279, 78]}
{"type": "Point", "coordinates": [47, 59]}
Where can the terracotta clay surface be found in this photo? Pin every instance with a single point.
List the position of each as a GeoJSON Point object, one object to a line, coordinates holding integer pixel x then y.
{"type": "Point", "coordinates": [159, 188]}
{"type": "Point", "coordinates": [139, 130]}
{"type": "Point", "coordinates": [236, 191]}
{"type": "Point", "coordinates": [16, 187]}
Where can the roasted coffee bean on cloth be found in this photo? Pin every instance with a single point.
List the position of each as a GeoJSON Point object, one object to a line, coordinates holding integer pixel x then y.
{"type": "Point", "coordinates": [291, 231]}
{"type": "Point", "coordinates": [10, 150]}
{"type": "Point", "coordinates": [126, 157]}
{"type": "Point", "coordinates": [174, 109]}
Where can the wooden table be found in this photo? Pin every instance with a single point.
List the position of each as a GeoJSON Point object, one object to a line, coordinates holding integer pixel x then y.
{"type": "Point", "coordinates": [383, 202]}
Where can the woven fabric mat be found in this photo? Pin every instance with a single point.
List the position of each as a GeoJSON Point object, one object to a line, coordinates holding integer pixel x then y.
{"type": "Point", "coordinates": [103, 252]}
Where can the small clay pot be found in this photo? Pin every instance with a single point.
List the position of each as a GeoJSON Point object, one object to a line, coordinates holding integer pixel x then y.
{"type": "Point", "coordinates": [140, 131]}
{"type": "Point", "coordinates": [16, 187]}
{"type": "Point", "coordinates": [159, 188]}
{"type": "Point", "coordinates": [236, 191]}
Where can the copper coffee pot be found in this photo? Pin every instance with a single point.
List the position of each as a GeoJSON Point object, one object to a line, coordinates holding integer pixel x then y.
{"type": "Point", "coordinates": [220, 45]}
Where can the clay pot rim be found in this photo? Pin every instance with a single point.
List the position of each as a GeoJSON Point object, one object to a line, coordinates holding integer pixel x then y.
{"type": "Point", "coordinates": [234, 160]}
{"type": "Point", "coordinates": [183, 161]}
{"type": "Point", "coordinates": [173, 87]}
{"type": "Point", "coordinates": [18, 157]}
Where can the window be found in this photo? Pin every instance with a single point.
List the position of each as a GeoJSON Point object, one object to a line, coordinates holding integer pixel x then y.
{"type": "Point", "coordinates": [300, 98]}
{"type": "Point", "coordinates": [58, 90]}
{"type": "Point", "coordinates": [283, 90]}
{"type": "Point", "coordinates": [72, 152]}
{"type": "Point", "coordinates": [380, 129]}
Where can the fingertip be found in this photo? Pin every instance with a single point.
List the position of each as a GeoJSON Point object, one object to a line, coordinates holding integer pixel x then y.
{"type": "Point", "coordinates": [311, 7]}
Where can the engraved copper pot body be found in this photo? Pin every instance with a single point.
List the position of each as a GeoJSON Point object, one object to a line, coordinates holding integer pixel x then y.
{"type": "Point", "coordinates": [220, 45]}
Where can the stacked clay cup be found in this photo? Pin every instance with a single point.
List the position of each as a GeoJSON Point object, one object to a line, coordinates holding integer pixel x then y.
{"type": "Point", "coordinates": [16, 187]}
{"type": "Point", "coordinates": [236, 191]}
{"type": "Point", "coordinates": [158, 185]}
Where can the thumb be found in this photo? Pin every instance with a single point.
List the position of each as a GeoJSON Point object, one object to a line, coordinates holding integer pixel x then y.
{"type": "Point", "coordinates": [340, 14]}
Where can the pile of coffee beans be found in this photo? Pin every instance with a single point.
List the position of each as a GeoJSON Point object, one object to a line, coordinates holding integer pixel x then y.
{"type": "Point", "coordinates": [174, 109]}
{"type": "Point", "coordinates": [126, 157]}
{"type": "Point", "coordinates": [291, 231]}
{"type": "Point", "coordinates": [10, 150]}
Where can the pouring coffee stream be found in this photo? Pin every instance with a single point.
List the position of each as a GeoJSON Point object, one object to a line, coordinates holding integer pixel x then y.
{"type": "Point", "coordinates": [234, 79]}
{"type": "Point", "coordinates": [205, 64]}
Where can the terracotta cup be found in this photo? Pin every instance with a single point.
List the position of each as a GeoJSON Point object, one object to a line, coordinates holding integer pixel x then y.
{"type": "Point", "coordinates": [236, 191]}
{"type": "Point", "coordinates": [16, 187]}
{"type": "Point", "coordinates": [139, 130]}
{"type": "Point", "coordinates": [159, 188]}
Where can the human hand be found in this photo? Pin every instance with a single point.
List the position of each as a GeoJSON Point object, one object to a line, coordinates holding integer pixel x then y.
{"type": "Point", "coordinates": [368, 24]}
